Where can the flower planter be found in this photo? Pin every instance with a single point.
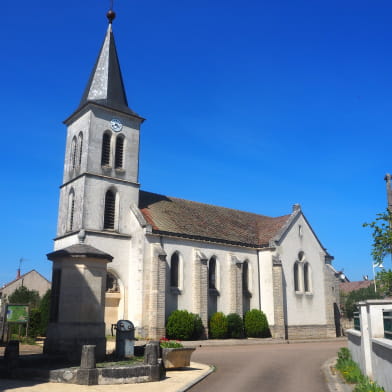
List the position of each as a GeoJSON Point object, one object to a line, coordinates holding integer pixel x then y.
{"type": "Point", "coordinates": [177, 357]}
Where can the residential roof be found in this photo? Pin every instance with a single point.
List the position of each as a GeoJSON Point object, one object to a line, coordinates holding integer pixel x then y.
{"type": "Point", "coordinates": [22, 277]}
{"type": "Point", "coordinates": [348, 287]}
{"type": "Point", "coordinates": [189, 219]}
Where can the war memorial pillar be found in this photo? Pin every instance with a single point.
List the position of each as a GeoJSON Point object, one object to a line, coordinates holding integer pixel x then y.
{"type": "Point", "coordinates": [78, 301]}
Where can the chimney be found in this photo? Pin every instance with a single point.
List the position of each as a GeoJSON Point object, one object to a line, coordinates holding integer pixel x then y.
{"type": "Point", "coordinates": [18, 273]}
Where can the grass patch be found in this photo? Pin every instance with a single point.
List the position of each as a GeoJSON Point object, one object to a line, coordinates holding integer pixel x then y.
{"type": "Point", "coordinates": [352, 374]}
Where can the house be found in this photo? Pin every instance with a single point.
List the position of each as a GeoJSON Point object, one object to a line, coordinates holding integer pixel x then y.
{"type": "Point", "coordinates": [32, 280]}
{"type": "Point", "coordinates": [169, 253]}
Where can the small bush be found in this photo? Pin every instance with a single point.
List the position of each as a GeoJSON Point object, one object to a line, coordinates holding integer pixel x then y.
{"type": "Point", "coordinates": [218, 326]}
{"type": "Point", "coordinates": [256, 324]}
{"type": "Point", "coordinates": [182, 325]}
{"type": "Point", "coordinates": [235, 326]}
{"type": "Point", "coordinates": [199, 328]}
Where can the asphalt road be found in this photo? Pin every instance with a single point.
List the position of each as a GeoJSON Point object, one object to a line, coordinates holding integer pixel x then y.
{"type": "Point", "coordinates": [294, 367]}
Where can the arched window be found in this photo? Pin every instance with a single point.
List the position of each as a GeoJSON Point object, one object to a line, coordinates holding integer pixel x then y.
{"type": "Point", "coordinates": [307, 283]}
{"type": "Point", "coordinates": [106, 142]}
{"type": "Point", "coordinates": [245, 277]}
{"type": "Point", "coordinates": [71, 210]}
{"type": "Point", "coordinates": [73, 153]}
{"type": "Point", "coordinates": [110, 210]}
{"type": "Point", "coordinates": [296, 277]}
{"type": "Point", "coordinates": [80, 148]}
{"type": "Point", "coordinates": [212, 273]}
{"type": "Point", "coordinates": [112, 283]}
{"type": "Point", "coordinates": [174, 270]}
{"type": "Point", "coordinates": [119, 156]}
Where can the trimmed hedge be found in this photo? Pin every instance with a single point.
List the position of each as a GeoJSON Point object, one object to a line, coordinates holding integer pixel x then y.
{"type": "Point", "coordinates": [218, 326]}
{"type": "Point", "coordinates": [235, 326]}
{"type": "Point", "coordinates": [182, 325]}
{"type": "Point", "coordinates": [256, 324]}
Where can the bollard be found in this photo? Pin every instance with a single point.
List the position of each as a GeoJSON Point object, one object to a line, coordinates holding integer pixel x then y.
{"type": "Point", "coordinates": [11, 354]}
{"type": "Point", "coordinates": [87, 360]}
{"type": "Point", "coordinates": [151, 353]}
{"type": "Point", "coordinates": [88, 373]}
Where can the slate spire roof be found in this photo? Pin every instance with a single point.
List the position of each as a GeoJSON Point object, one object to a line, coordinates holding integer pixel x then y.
{"type": "Point", "coordinates": [189, 219]}
{"type": "Point", "coordinates": [105, 86]}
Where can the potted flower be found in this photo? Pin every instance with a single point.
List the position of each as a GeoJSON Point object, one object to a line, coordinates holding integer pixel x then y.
{"type": "Point", "coordinates": [174, 354]}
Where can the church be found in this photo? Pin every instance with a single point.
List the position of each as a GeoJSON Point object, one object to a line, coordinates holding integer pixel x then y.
{"type": "Point", "coordinates": [168, 253]}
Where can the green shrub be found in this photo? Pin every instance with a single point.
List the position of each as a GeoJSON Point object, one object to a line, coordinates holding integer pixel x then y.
{"type": "Point", "coordinates": [199, 327]}
{"type": "Point", "coordinates": [256, 324]}
{"type": "Point", "coordinates": [44, 308]}
{"type": "Point", "coordinates": [34, 323]}
{"type": "Point", "coordinates": [218, 326]}
{"type": "Point", "coordinates": [235, 326]}
{"type": "Point", "coordinates": [182, 325]}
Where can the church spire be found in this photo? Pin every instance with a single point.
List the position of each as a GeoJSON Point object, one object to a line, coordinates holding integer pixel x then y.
{"type": "Point", "coordinates": [105, 86]}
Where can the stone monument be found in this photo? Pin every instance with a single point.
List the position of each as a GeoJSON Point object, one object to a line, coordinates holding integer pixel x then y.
{"type": "Point", "coordinates": [78, 301]}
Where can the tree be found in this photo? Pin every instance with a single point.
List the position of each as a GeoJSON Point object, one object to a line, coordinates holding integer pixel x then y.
{"type": "Point", "coordinates": [44, 309]}
{"type": "Point", "coordinates": [350, 300]}
{"type": "Point", "coordinates": [384, 282]}
{"type": "Point", "coordinates": [382, 236]}
{"type": "Point", "coordinates": [22, 295]}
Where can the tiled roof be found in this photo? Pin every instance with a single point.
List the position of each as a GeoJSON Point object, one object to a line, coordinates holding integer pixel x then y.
{"type": "Point", "coordinates": [348, 287]}
{"type": "Point", "coordinates": [195, 220]}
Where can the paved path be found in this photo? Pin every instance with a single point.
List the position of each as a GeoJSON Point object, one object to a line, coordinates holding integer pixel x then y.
{"type": "Point", "coordinates": [294, 367]}
{"type": "Point", "coordinates": [176, 380]}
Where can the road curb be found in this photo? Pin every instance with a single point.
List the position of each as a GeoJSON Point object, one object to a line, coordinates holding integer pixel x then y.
{"type": "Point", "coordinates": [333, 379]}
{"type": "Point", "coordinates": [197, 380]}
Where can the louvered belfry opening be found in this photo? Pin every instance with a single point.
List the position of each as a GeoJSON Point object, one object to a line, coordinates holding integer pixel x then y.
{"type": "Point", "coordinates": [73, 153]}
{"type": "Point", "coordinates": [110, 209]}
{"type": "Point", "coordinates": [71, 217]}
{"type": "Point", "coordinates": [80, 149]}
{"type": "Point", "coordinates": [119, 157]}
{"type": "Point", "coordinates": [105, 160]}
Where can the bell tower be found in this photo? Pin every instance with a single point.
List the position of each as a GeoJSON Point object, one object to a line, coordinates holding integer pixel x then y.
{"type": "Point", "coordinates": [101, 165]}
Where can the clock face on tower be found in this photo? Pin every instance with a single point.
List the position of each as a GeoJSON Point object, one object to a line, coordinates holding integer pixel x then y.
{"type": "Point", "coordinates": [116, 125]}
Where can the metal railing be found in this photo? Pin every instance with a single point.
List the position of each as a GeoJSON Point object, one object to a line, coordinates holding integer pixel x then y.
{"type": "Point", "coordinates": [387, 317]}
{"type": "Point", "coordinates": [357, 322]}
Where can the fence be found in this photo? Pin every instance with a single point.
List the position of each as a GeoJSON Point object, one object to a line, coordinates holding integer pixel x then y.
{"type": "Point", "coordinates": [370, 342]}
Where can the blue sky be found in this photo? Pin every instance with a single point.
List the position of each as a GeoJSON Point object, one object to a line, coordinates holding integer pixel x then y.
{"type": "Point", "coordinates": [252, 105]}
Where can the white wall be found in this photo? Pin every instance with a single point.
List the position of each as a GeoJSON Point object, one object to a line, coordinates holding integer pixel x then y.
{"type": "Point", "coordinates": [303, 308]}
{"type": "Point", "coordinates": [223, 254]}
